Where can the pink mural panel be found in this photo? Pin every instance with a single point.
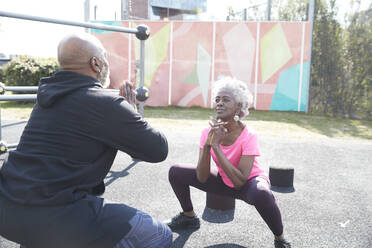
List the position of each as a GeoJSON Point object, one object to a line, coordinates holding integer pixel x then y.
{"type": "Point", "coordinates": [235, 51]}
{"type": "Point", "coordinates": [192, 61]}
{"type": "Point", "coordinates": [280, 49]}
{"type": "Point", "coordinates": [116, 45]}
{"type": "Point", "coordinates": [183, 76]}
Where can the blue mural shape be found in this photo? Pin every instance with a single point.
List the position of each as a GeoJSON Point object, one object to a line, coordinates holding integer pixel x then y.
{"type": "Point", "coordinates": [286, 93]}
{"type": "Point", "coordinates": [100, 31]}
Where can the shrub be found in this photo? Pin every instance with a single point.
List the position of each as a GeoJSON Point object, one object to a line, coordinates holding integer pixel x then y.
{"type": "Point", "coordinates": [2, 74]}
{"type": "Point", "coordinates": [27, 71]}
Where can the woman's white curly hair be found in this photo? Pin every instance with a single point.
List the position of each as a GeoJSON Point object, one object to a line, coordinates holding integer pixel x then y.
{"type": "Point", "coordinates": [239, 91]}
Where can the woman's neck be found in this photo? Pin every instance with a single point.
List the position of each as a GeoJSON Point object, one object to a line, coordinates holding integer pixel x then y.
{"type": "Point", "coordinates": [233, 125]}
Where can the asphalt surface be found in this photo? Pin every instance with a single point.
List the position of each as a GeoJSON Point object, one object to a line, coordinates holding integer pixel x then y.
{"type": "Point", "coordinates": [330, 205]}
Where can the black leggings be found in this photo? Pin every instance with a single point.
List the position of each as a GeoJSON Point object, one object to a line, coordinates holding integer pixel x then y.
{"type": "Point", "coordinates": [256, 191]}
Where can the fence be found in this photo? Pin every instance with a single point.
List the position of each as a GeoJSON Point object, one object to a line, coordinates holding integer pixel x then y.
{"type": "Point", "coordinates": [21, 97]}
{"type": "Point", "coordinates": [184, 58]}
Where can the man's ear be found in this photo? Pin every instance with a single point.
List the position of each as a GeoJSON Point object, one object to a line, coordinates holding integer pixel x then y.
{"type": "Point", "coordinates": [94, 64]}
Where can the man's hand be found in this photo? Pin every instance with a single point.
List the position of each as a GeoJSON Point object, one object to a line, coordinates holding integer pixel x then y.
{"type": "Point", "coordinates": [128, 92]}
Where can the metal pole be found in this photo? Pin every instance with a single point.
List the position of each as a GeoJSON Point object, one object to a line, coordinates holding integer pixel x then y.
{"type": "Point", "coordinates": [168, 10]}
{"type": "Point", "coordinates": [1, 124]}
{"type": "Point", "coordinates": [87, 12]}
{"type": "Point", "coordinates": [23, 97]}
{"type": "Point", "coordinates": [124, 10]}
{"type": "Point", "coordinates": [142, 75]}
{"type": "Point", "coordinates": [245, 14]}
{"type": "Point", "coordinates": [311, 19]}
{"type": "Point", "coordinates": [268, 10]}
{"type": "Point", "coordinates": [20, 88]}
{"type": "Point", "coordinates": [71, 23]}
{"type": "Point", "coordinates": [14, 145]}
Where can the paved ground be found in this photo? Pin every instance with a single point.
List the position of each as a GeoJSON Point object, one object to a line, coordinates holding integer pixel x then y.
{"type": "Point", "coordinates": [330, 206]}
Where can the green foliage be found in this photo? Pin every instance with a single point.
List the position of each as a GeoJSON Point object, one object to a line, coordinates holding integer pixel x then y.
{"type": "Point", "coordinates": [2, 74]}
{"type": "Point", "coordinates": [341, 64]}
{"type": "Point", "coordinates": [27, 71]}
{"type": "Point", "coordinates": [327, 66]}
{"type": "Point", "coordinates": [359, 49]}
{"type": "Point", "coordinates": [293, 10]}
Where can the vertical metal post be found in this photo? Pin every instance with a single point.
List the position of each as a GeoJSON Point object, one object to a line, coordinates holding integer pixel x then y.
{"type": "Point", "coordinates": [124, 10]}
{"type": "Point", "coordinates": [268, 10]}
{"type": "Point", "coordinates": [0, 124]}
{"type": "Point", "coordinates": [311, 19]}
{"type": "Point", "coordinates": [142, 75]}
{"type": "Point", "coordinates": [168, 10]}
{"type": "Point", "coordinates": [170, 63]}
{"type": "Point", "coordinates": [301, 68]}
{"type": "Point", "coordinates": [87, 13]}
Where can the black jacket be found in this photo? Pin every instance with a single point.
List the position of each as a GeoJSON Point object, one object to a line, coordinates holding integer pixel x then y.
{"type": "Point", "coordinates": [71, 139]}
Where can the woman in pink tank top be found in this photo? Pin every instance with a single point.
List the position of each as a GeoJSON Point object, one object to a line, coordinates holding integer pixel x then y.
{"type": "Point", "coordinates": [234, 149]}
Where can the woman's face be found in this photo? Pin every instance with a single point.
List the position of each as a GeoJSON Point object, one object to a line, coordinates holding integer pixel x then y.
{"type": "Point", "coordinates": [225, 105]}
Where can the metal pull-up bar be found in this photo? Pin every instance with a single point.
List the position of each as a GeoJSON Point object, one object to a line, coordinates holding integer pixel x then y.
{"type": "Point", "coordinates": [140, 32]}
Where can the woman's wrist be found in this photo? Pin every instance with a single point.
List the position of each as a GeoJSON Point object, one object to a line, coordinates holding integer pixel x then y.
{"type": "Point", "coordinates": [215, 146]}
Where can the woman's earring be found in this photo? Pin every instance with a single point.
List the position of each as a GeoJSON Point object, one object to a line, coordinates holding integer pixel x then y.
{"type": "Point", "coordinates": [236, 117]}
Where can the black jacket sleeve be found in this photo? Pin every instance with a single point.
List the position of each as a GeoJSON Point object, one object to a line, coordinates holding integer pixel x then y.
{"type": "Point", "coordinates": [126, 130]}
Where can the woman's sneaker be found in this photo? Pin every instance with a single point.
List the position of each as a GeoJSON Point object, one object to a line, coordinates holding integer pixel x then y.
{"type": "Point", "coordinates": [282, 243]}
{"type": "Point", "coordinates": [182, 221]}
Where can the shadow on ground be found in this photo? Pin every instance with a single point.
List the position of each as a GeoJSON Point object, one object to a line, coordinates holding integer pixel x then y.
{"type": "Point", "coordinates": [225, 245]}
{"type": "Point", "coordinates": [114, 175]}
{"type": "Point", "coordinates": [218, 216]}
{"type": "Point", "coordinates": [181, 240]}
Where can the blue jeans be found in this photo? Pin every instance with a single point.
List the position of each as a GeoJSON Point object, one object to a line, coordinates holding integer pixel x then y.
{"type": "Point", "coordinates": [146, 232]}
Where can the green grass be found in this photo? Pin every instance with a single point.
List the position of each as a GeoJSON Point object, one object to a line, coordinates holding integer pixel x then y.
{"type": "Point", "coordinates": [15, 110]}
{"type": "Point", "coordinates": [271, 123]}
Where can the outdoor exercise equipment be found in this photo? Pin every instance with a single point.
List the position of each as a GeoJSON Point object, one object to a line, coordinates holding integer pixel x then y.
{"type": "Point", "coordinates": [142, 32]}
{"type": "Point", "coordinates": [220, 202]}
{"type": "Point", "coordinates": [281, 176]}
{"type": "Point", "coordinates": [142, 93]}
{"type": "Point", "coordinates": [3, 147]}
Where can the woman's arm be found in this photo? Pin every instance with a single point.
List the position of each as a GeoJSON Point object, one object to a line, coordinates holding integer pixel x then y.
{"type": "Point", "coordinates": [203, 168]}
{"type": "Point", "coordinates": [238, 176]}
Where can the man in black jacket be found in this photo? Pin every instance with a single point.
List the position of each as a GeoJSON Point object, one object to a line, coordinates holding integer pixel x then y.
{"type": "Point", "coordinates": [67, 148]}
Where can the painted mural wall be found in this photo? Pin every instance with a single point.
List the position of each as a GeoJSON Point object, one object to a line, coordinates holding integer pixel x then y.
{"type": "Point", "coordinates": [183, 59]}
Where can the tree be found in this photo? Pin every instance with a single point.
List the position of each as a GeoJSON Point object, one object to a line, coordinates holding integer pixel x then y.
{"type": "Point", "coordinates": [328, 64]}
{"type": "Point", "coordinates": [359, 49]}
{"type": "Point", "coordinates": [293, 10]}
{"type": "Point", "coordinates": [341, 66]}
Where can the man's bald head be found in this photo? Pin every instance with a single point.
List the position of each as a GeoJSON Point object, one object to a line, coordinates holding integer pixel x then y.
{"type": "Point", "coordinates": [75, 51]}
